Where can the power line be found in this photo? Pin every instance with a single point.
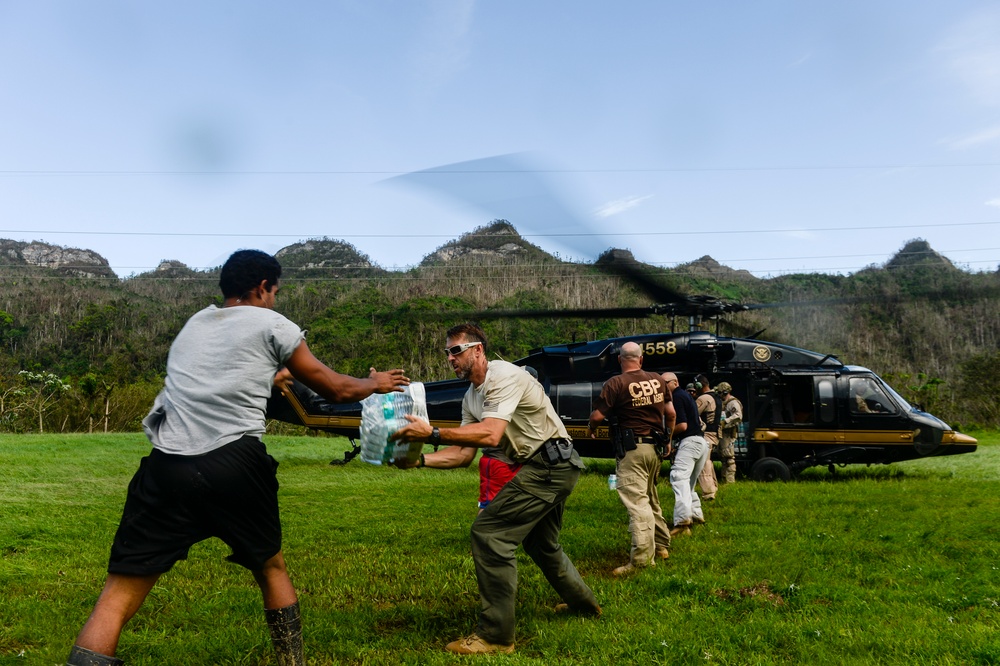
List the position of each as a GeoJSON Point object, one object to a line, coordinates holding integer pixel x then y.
{"type": "Point", "coordinates": [392, 276]}
{"type": "Point", "coordinates": [444, 172]}
{"type": "Point", "coordinates": [491, 235]}
{"type": "Point", "coordinates": [666, 265]}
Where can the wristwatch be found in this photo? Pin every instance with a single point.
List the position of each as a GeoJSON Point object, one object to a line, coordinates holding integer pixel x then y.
{"type": "Point", "coordinates": [435, 437]}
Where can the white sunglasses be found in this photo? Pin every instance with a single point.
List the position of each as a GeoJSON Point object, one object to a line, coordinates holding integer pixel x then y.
{"type": "Point", "coordinates": [458, 349]}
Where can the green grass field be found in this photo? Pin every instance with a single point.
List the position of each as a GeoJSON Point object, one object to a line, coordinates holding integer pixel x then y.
{"type": "Point", "coordinates": [884, 565]}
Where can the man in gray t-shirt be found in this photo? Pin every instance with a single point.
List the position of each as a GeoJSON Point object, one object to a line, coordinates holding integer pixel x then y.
{"type": "Point", "coordinates": [209, 474]}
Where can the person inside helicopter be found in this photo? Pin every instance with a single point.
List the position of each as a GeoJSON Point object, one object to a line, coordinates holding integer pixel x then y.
{"type": "Point", "coordinates": [867, 398]}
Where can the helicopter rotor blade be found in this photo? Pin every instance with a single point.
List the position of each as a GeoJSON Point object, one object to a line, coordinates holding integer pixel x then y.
{"type": "Point", "coordinates": [949, 295]}
{"type": "Point", "coordinates": [586, 313]}
{"type": "Point", "coordinates": [621, 263]}
{"type": "Point", "coordinates": [521, 188]}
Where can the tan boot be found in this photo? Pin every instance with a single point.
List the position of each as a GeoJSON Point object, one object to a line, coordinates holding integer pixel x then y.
{"type": "Point", "coordinates": [624, 570]}
{"type": "Point", "coordinates": [680, 530]}
{"type": "Point", "coordinates": [473, 644]}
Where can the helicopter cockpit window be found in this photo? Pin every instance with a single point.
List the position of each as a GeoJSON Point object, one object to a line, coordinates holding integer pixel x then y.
{"type": "Point", "coordinates": [899, 400]}
{"type": "Point", "coordinates": [867, 397]}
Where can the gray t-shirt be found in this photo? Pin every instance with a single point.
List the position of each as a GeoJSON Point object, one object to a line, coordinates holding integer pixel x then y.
{"type": "Point", "coordinates": [219, 376]}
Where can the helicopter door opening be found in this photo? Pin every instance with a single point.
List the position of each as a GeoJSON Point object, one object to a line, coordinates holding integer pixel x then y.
{"type": "Point", "coordinates": [574, 402]}
{"type": "Point", "coordinates": [792, 401]}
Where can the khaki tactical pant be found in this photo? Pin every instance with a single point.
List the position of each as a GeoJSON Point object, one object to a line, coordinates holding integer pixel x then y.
{"type": "Point", "coordinates": [727, 452]}
{"type": "Point", "coordinates": [638, 473]}
{"type": "Point", "coordinates": [706, 479]}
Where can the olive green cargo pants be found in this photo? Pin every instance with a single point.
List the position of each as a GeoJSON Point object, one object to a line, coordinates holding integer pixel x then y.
{"type": "Point", "coordinates": [528, 510]}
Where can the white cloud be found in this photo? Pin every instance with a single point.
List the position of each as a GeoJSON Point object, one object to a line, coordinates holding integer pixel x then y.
{"type": "Point", "coordinates": [620, 206]}
{"type": "Point", "coordinates": [993, 202]}
{"type": "Point", "coordinates": [802, 60]}
{"type": "Point", "coordinates": [444, 42]}
{"type": "Point", "coordinates": [972, 52]}
{"type": "Point", "coordinates": [973, 140]}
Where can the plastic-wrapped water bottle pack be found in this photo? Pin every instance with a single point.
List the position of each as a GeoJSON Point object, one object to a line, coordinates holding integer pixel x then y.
{"type": "Point", "coordinates": [384, 414]}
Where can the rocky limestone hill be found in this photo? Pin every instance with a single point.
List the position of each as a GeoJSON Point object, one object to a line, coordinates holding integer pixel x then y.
{"type": "Point", "coordinates": [324, 258]}
{"type": "Point", "coordinates": [68, 261]}
{"type": "Point", "coordinates": [497, 242]}
{"type": "Point", "coordinates": [175, 270]}
{"type": "Point", "coordinates": [707, 267]}
{"type": "Point", "coordinates": [918, 252]}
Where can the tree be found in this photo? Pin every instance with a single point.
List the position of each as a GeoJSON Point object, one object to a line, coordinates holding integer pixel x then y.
{"type": "Point", "coordinates": [9, 404]}
{"type": "Point", "coordinates": [96, 389]}
{"type": "Point", "coordinates": [42, 390]}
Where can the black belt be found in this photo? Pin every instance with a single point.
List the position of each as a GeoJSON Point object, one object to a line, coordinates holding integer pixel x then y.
{"type": "Point", "coordinates": [645, 439]}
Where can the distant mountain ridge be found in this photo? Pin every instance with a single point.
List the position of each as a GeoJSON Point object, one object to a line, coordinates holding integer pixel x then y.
{"type": "Point", "coordinates": [495, 243]}
{"type": "Point", "coordinates": [927, 326]}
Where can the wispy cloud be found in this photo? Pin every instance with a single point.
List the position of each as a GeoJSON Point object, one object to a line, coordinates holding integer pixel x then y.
{"type": "Point", "coordinates": [993, 202]}
{"type": "Point", "coordinates": [445, 43]}
{"type": "Point", "coordinates": [620, 206]}
{"type": "Point", "coordinates": [800, 61]}
{"type": "Point", "coordinates": [972, 140]}
{"type": "Point", "coordinates": [971, 49]}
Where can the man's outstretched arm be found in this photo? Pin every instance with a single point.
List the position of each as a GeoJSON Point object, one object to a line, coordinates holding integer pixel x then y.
{"type": "Point", "coordinates": [337, 387]}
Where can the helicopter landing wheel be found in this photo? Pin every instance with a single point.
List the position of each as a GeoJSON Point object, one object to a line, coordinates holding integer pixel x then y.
{"type": "Point", "coordinates": [770, 469]}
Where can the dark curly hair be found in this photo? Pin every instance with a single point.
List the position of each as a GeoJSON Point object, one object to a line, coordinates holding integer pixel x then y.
{"type": "Point", "coordinates": [245, 269]}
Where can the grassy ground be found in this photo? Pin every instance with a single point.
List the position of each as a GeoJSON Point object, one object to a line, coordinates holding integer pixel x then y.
{"type": "Point", "coordinates": [887, 565]}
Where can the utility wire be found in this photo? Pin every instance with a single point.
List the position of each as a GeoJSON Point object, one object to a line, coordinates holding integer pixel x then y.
{"type": "Point", "coordinates": [438, 172]}
{"type": "Point", "coordinates": [644, 234]}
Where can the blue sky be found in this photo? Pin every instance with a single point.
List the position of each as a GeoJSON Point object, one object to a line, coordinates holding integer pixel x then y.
{"type": "Point", "coordinates": [775, 136]}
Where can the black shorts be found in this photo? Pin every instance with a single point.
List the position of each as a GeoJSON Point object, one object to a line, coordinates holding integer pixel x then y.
{"type": "Point", "coordinates": [176, 501]}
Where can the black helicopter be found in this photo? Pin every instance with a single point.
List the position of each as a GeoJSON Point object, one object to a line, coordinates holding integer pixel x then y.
{"type": "Point", "coordinates": [801, 408]}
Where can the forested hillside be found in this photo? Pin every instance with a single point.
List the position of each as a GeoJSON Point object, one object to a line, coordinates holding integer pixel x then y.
{"type": "Point", "coordinates": [84, 350]}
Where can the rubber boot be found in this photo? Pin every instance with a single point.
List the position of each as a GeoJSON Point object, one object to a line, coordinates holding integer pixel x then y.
{"type": "Point", "coordinates": [285, 625]}
{"type": "Point", "coordinates": [79, 656]}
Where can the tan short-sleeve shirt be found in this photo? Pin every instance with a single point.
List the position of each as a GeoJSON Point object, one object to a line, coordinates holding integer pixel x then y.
{"type": "Point", "coordinates": [509, 393]}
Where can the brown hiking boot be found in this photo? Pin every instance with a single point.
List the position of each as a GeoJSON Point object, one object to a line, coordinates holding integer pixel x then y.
{"type": "Point", "coordinates": [662, 553]}
{"type": "Point", "coordinates": [473, 644]}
